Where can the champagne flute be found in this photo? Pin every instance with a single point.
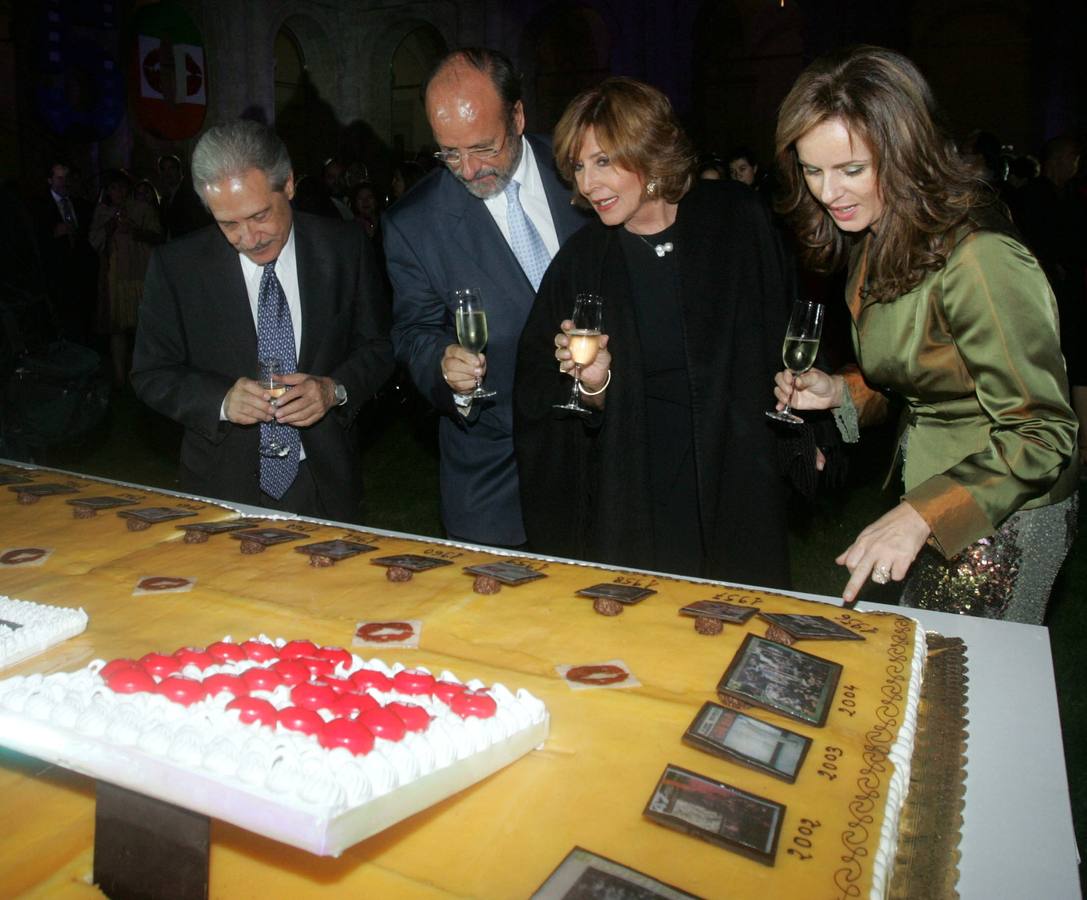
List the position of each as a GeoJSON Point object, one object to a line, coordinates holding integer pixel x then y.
{"type": "Point", "coordinates": [268, 371]}
{"type": "Point", "coordinates": [800, 348]}
{"type": "Point", "coordinates": [471, 321]}
{"type": "Point", "coordinates": [584, 344]}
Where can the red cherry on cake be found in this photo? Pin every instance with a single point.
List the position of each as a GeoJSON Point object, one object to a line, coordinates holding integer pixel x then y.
{"type": "Point", "coordinates": [179, 689]}
{"type": "Point", "coordinates": [189, 656]}
{"type": "Point", "coordinates": [383, 723]}
{"type": "Point", "coordinates": [335, 655]}
{"type": "Point", "coordinates": [292, 671]}
{"type": "Point", "coordinates": [298, 719]}
{"type": "Point", "coordinates": [474, 703]}
{"type": "Point", "coordinates": [350, 704]}
{"type": "Point", "coordinates": [232, 684]}
{"type": "Point", "coordinates": [260, 679]}
{"type": "Point", "coordinates": [223, 652]}
{"type": "Point", "coordinates": [317, 667]}
{"type": "Point", "coordinates": [371, 678]}
{"type": "Point", "coordinates": [130, 681]}
{"type": "Point", "coordinates": [160, 665]}
{"type": "Point", "coordinates": [115, 665]}
{"type": "Point", "coordinates": [414, 717]}
{"type": "Point", "coordinates": [346, 733]}
{"type": "Point", "coordinates": [297, 648]}
{"type": "Point", "coordinates": [253, 709]}
{"type": "Point", "coordinates": [411, 681]}
{"type": "Point", "coordinates": [339, 685]}
{"type": "Point", "coordinates": [260, 651]}
{"type": "Point", "coordinates": [447, 690]}
{"type": "Point", "coordinates": [312, 696]}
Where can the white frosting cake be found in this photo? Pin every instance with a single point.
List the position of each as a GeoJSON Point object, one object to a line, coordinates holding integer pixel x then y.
{"type": "Point", "coordinates": [321, 791]}
{"type": "Point", "coordinates": [28, 628]}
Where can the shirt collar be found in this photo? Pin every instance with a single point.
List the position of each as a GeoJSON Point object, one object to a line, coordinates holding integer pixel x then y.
{"type": "Point", "coordinates": [286, 257]}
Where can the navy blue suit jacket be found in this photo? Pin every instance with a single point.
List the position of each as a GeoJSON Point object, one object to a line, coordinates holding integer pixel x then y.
{"type": "Point", "coordinates": [439, 238]}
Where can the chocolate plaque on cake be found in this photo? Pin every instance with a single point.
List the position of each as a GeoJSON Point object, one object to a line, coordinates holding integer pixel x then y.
{"type": "Point", "coordinates": [781, 679]}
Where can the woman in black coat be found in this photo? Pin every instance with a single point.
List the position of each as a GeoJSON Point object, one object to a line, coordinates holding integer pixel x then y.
{"type": "Point", "coordinates": [676, 467]}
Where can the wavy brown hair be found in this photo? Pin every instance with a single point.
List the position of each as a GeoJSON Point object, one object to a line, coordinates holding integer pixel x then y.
{"type": "Point", "coordinates": [928, 193]}
{"type": "Point", "coordinates": [635, 124]}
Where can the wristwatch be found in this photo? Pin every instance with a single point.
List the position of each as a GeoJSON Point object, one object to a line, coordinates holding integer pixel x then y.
{"type": "Point", "coordinates": [339, 392]}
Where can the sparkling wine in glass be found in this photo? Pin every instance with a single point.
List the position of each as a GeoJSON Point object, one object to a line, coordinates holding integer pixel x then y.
{"type": "Point", "coordinates": [584, 344]}
{"type": "Point", "coordinates": [800, 349]}
{"type": "Point", "coordinates": [269, 371]}
{"type": "Point", "coordinates": [471, 322]}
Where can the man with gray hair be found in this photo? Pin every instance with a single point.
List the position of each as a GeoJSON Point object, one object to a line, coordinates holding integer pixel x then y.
{"type": "Point", "coordinates": [300, 290]}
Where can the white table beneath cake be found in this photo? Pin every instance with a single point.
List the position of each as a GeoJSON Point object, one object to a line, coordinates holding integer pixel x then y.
{"type": "Point", "coordinates": [1018, 839]}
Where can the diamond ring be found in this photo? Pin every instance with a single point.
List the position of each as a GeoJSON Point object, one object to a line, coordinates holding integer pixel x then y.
{"type": "Point", "coordinates": [881, 575]}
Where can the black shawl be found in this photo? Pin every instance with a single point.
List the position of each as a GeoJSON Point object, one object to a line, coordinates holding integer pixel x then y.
{"type": "Point", "coordinates": [584, 486]}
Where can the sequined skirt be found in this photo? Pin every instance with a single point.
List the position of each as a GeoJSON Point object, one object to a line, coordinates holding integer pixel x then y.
{"type": "Point", "coordinates": [1005, 576]}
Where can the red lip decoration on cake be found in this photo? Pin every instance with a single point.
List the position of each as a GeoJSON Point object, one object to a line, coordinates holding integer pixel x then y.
{"type": "Point", "coordinates": [22, 555]}
{"type": "Point", "coordinates": [597, 674]}
{"type": "Point", "coordinates": [162, 583]}
{"type": "Point", "coordinates": [385, 632]}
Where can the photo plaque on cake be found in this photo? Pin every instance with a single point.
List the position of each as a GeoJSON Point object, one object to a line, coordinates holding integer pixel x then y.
{"type": "Point", "coordinates": [743, 739]}
{"type": "Point", "coordinates": [717, 812]}
{"type": "Point", "coordinates": [781, 679]}
{"type": "Point", "coordinates": [582, 875]}
{"type": "Point", "coordinates": [810, 628]}
{"type": "Point", "coordinates": [717, 609]}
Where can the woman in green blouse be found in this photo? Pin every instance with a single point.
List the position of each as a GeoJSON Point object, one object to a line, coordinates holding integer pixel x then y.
{"type": "Point", "coordinates": [951, 312]}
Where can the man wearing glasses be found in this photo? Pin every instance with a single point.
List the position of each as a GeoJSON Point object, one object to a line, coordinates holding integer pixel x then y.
{"type": "Point", "coordinates": [490, 219]}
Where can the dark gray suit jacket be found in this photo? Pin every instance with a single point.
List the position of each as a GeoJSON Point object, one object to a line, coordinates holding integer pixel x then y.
{"type": "Point", "coordinates": [196, 338]}
{"type": "Point", "coordinates": [438, 238]}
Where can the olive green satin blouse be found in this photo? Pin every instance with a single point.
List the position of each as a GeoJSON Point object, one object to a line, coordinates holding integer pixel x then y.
{"type": "Point", "coordinates": [974, 350]}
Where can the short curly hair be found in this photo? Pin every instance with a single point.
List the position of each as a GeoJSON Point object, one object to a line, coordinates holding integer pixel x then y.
{"type": "Point", "coordinates": [637, 126]}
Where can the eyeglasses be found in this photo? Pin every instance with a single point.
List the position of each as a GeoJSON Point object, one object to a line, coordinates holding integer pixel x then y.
{"type": "Point", "coordinates": [456, 157]}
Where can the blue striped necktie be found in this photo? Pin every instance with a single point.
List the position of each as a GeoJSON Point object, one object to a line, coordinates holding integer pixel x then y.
{"type": "Point", "coordinates": [525, 240]}
{"type": "Point", "coordinates": [275, 340]}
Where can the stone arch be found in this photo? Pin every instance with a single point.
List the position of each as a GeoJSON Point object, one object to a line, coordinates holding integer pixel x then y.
{"type": "Point", "coordinates": [305, 107]}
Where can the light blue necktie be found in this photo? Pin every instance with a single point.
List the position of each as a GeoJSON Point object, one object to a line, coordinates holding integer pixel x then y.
{"type": "Point", "coordinates": [275, 339]}
{"type": "Point", "coordinates": [525, 240]}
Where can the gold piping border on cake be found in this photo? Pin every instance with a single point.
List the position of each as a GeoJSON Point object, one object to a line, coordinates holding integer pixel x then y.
{"type": "Point", "coordinates": [927, 863]}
